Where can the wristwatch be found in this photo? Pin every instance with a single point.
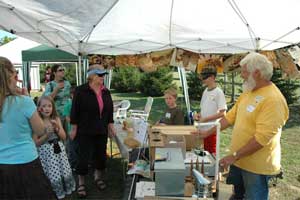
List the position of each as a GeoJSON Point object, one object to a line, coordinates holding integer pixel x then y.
{"type": "Point", "coordinates": [235, 154]}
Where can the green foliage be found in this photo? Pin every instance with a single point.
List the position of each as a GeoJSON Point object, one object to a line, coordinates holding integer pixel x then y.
{"type": "Point", "coordinates": [5, 40]}
{"type": "Point", "coordinates": [70, 73]}
{"type": "Point", "coordinates": [287, 87]}
{"type": "Point", "coordinates": [126, 79]}
{"type": "Point", "coordinates": [195, 86]}
{"type": "Point", "coordinates": [155, 83]}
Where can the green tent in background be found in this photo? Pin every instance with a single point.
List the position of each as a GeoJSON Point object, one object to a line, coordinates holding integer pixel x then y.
{"type": "Point", "coordinates": [44, 53]}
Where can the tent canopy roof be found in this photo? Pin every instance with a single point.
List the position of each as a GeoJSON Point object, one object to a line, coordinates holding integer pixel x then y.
{"type": "Point", "coordinates": [115, 27]}
{"type": "Point", "coordinates": [44, 53]}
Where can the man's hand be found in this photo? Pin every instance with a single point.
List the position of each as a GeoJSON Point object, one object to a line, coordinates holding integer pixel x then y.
{"type": "Point", "coordinates": [201, 133]}
{"type": "Point", "coordinates": [227, 161]}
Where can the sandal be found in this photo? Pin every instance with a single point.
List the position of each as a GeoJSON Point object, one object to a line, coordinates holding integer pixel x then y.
{"type": "Point", "coordinates": [81, 192]}
{"type": "Point", "coordinates": [100, 184]}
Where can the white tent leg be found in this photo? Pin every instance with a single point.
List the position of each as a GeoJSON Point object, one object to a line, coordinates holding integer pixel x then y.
{"type": "Point", "coordinates": [85, 68]}
{"type": "Point", "coordinates": [108, 79]}
{"type": "Point", "coordinates": [26, 74]}
{"type": "Point", "coordinates": [76, 69]}
{"type": "Point", "coordinates": [183, 81]}
{"type": "Point", "coordinates": [79, 69]}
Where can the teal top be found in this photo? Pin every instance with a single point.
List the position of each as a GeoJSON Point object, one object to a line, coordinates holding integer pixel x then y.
{"type": "Point", "coordinates": [67, 113]}
{"type": "Point", "coordinates": [62, 96]}
{"type": "Point", "coordinates": [16, 143]}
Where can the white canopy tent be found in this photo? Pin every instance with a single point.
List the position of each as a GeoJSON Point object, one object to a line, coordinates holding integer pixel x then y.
{"type": "Point", "coordinates": [118, 27]}
{"type": "Point", "coordinates": [115, 27]}
{"type": "Point", "coordinates": [13, 51]}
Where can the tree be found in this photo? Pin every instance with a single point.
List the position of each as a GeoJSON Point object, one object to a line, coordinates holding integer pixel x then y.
{"type": "Point", "coordinates": [5, 40]}
{"type": "Point", "coordinates": [70, 73]}
{"type": "Point", "coordinates": [155, 83]}
{"type": "Point", "coordinates": [287, 87]}
{"type": "Point", "coordinates": [195, 86]}
{"type": "Point", "coordinates": [126, 79]}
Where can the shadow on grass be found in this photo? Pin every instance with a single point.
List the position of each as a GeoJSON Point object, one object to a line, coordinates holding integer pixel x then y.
{"type": "Point", "coordinates": [138, 102]}
{"type": "Point", "coordinates": [113, 179]}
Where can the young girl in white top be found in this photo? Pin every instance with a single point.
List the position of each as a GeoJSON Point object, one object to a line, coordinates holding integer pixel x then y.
{"type": "Point", "coordinates": [52, 151]}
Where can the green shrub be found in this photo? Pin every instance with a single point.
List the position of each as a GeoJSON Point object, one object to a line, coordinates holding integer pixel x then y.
{"type": "Point", "coordinates": [287, 87]}
{"type": "Point", "coordinates": [126, 79]}
{"type": "Point", "coordinates": [155, 83]}
{"type": "Point", "coordinates": [195, 86]}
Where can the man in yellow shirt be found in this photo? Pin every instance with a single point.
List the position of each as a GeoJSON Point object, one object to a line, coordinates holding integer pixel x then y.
{"type": "Point", "coordinates": [257, 118]}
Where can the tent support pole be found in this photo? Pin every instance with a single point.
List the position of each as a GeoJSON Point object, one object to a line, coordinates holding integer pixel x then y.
{"type": "Point", "coordinates": [79, 69]}
{"type": "Point", "coordinates": [183, 81]}
{"type": "Point", "coordinates": [76, 70]}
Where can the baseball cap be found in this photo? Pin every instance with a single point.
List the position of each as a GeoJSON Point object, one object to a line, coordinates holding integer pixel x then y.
{"type": "Point", "coordinates": [97, 71]}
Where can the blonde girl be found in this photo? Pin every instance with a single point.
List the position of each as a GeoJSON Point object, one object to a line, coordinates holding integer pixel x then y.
{"type": "Point", "coordinates": [52, 151]}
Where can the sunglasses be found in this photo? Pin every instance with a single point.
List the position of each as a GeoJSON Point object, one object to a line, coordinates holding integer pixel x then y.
{"type": "Point", "coordinates": [205, 76]}
{"type": "Point", "coordinates": [61, 70]}
{"type": "Point", "coordinates": [100, 75]}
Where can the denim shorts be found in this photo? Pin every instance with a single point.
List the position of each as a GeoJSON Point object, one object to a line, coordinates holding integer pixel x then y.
{"type": "Point", "coordinates": [248, 185]}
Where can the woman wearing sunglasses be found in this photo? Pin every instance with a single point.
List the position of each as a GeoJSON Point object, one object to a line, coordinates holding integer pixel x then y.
{"type": "Point", "coordinates": [59, 89]}
{"type": "Point", "coordinates": [92, 121]}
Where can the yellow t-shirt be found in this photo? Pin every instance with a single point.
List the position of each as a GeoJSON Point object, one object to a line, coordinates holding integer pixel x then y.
{"type": "Point", "coordinates": [260, 114]}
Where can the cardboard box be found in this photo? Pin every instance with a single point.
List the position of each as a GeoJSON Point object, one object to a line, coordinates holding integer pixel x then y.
{"type": "Point", "coordinates": [176, 141]}
{"type": "Point", "coordinates": [191, 141]}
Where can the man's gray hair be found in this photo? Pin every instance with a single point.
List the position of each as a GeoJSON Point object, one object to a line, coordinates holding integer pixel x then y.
{"type": "Point", "coordinates": [258, 61]}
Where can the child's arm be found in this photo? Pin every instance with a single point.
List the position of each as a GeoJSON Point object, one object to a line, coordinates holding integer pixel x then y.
{"type": "Point", "coordinates": [218, 115]}
{"type": "Point", "coordinates": [39, 140]}
{"type": "Point", "coordinates": [58, 128]}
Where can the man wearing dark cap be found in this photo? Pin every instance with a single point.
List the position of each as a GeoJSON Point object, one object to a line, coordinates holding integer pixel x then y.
{"type": "Point", "coordinates": [213, 105]}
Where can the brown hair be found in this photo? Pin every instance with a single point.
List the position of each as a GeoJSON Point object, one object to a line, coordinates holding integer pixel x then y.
{"type": "Point", "coordinates": [6, 70]}
{"type": "Point", "coordinates": [172, 92]}
{"type": "Point", "coordinates": [54, 114]}
{"type": "Point", "coordinates": [54, 70]}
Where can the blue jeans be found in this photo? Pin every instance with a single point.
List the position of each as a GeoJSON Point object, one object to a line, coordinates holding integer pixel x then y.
{"type": "Point", "coordinates": [248, 185]}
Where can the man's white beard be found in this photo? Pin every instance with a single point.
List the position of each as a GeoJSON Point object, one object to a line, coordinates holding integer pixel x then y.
{"type": "Point", "coordinates": [249, 84]}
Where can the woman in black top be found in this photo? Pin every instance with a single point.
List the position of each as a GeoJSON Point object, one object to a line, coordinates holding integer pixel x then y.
{"type": "Point", "coordinates": [92, 121]}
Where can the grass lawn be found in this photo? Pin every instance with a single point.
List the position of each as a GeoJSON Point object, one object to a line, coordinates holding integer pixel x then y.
{"type": "Point", "coordinates": [289, 186]}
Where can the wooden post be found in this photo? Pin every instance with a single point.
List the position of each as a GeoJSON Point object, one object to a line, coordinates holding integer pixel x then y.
{"type": "Point", "coordinates": [232, 87]}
